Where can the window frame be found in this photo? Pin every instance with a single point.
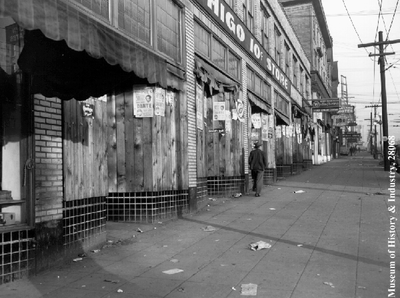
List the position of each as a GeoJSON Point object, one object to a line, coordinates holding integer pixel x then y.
{"type": "Point", "coordinates": [265, 26]}
{"type": "Point", "coordinates": [228, 52]}
{"type": "Point", "coordinates": [278, 46]}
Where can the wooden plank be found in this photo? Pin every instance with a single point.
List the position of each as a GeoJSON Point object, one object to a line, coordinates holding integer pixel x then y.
{"type": "Point", "coordinates": [147, 157]}
{"type": "Point", "coordinates": [182, 145]}
{"type": "Point", "coordinates": [167, 170]}
{"type": "Point", "coordinates": [162, 150]}
{"type": "Point", "coordinates": [120, 121]}
{"type": "Point", "coordinates": [138, 181]}
{"type": "Point", "coordinates": [210, 139]}
{"type": "Point", "coordinates": [112, 145]}
{"type": "Point", "coordinates": [104, 162]}
{"type": "Point", "coordinates": [129, 141]}
{"type": "Point", "coordinates": [86, 160]}
{"type": "Point", "coordinates": [174, 137]}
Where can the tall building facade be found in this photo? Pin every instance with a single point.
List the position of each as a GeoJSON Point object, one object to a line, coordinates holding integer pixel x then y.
{"type": "Point", "coordinates": [309, 22]}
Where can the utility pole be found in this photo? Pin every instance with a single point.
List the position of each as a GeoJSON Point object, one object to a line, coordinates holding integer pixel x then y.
{"type": "Point", "coordinates": [375, 134]}
{"type": "Point", "coordinates": [381, 62]}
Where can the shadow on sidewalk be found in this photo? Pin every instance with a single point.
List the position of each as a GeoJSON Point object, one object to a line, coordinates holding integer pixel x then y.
{"type": "Point", "coordinates": [293, 243]}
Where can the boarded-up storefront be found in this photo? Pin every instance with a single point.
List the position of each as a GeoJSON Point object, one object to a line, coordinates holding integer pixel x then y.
{"type": "Point", "coordinates": [220, 135]}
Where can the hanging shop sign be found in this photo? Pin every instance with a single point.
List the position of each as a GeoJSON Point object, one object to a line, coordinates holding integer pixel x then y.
{"type": "Point", "coordinates": [325, 105]}
{"type": "Point", "coordinates": [226, 17]}
{"type": "Point", "coordinates": [346, 109]}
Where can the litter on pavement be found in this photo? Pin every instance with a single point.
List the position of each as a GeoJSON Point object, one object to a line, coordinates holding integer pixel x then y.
{"type": "Point", "coordinates": [299, 191]}
{"type": "Point", "coordinates": [259, 245]}
{"type": "Point", "coordinates": [209, 229]}
{"type": "Point", "coordinates": [329, 284]}
{"type": "Point", "coordinates": [173, 271]}
{"type": "Point", "coordinates": [139, 230]}
{"type": "Point", "coordinates": [77, 259]}
{"type": "Point", "coordinates": [237, 195]}
{"type": "Point", "coordinates": [249, 289]}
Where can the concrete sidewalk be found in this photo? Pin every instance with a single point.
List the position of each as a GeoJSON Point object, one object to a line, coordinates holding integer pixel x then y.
{"type": "Point", "coordinates": [329, 241]}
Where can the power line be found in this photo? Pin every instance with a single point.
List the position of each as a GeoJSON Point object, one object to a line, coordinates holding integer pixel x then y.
{"type": "Point", "coordinates": [391, 23]}
{"type": "Point", "coordinates": [351, 20]}
{"type": "Point", "coordinates": [379, 17]}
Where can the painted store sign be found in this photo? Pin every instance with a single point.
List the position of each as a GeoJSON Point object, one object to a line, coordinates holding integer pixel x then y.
{"type": "Point", "coordinates": [224, 15]}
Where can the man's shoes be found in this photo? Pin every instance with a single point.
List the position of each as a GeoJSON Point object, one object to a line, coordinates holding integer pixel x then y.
{"type": "Point", "coordinates": [257, 194]}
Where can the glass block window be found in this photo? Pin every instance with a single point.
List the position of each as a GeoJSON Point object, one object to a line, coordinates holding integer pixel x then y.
{"type": "Point", "coordinates": [134, 17]}
{"type": "Point", "coordinates": [99, 7]}
{"type": "Point", "coordinates": [219, 54]}
{"type": "Point", "coordinates": [234, 65]}
{"type": "Point", "coordinates": [202, 41]}
{"type": "Point", "coordinates": [169, 28]}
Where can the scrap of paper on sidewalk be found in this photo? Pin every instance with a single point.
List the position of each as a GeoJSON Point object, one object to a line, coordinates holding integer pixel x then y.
{"type": "Point", "coordinates": [259, 245]}
{"type": "Point", "coordinates": [173, 271]}
{"type": "Point", "coordinates": [249, 289]}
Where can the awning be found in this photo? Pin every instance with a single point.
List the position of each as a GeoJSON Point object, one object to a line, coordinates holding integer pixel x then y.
{"type": "Point", "coordinates": [281, 119]}
{"type": "Point", "coordinates": [61, 21]}
{"type": "Point", "coordinates": [214, 81]}
{"type": "Point", "coordinates": [257, 105]}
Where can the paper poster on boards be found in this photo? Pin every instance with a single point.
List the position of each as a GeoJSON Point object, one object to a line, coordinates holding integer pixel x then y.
{"type": "Point", "coordinates": [159, 102]}
{"type": "Point", "coordinates": [143, 102]}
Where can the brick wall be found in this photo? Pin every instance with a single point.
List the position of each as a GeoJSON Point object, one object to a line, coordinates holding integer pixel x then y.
{"type": "Point", "coordinates": [48, 158]}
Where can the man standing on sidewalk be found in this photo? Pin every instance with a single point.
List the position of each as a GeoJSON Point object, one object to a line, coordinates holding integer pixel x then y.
{"type": "Point", "coordinates": [257, 165]}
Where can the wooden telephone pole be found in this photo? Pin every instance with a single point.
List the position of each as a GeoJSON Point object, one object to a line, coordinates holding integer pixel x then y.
{"type": "Point", "coordinates": [381, 62]}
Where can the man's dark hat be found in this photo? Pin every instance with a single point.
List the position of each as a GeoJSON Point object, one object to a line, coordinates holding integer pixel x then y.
{"type": "Point", "coordinates": [257, 145]}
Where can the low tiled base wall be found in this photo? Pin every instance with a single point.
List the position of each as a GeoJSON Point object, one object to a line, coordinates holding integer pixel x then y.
{"type": "Point", "coordinates": [283, 171]}
{"type": "Point", "coordinates": [269, 176]}
{"type": "Point", "coordinates": [226, 186]}
{"type": "Point", "coordinates": [307, 164]}
{"type": "Point", "coordinates": [84, 222]}
{"type": "Point", "coordinates": [16, 254]}
{"type": "Point", "coordinates": [147, 206]}
{"type": "Point", "coordinates": [202, 193]}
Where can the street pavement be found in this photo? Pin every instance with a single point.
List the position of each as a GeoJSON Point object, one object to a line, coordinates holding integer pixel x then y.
{"type": "Point", "coordinates": [327, 229]}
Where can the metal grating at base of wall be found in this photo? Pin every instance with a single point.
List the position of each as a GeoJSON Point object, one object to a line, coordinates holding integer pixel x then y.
{"type": "Point", "coordinates": [16, 254]}
{"type": "Point", "coordinates": [147, 206]}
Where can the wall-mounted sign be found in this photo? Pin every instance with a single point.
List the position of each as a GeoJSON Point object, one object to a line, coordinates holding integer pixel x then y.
{"type": "Point", "coordinates": [226, 17]}
{"type": "Point", "coordinates": [325, 105]}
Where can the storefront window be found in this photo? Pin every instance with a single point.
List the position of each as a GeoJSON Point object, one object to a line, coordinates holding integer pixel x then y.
{"type": "Point", "coordinates": [15, 140]}
{"type": "Point", "coordinates": [169, 29]}
{"type": "Point", "coordinates": [234, 65]}
{"type": "Point", "coordinates": [134, 18]}
{"type": "Point", "coordinates": [202, 40]}
{"type": "Point", "coordinates": [219, 54]}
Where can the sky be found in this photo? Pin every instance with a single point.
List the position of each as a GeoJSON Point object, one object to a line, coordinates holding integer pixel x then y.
{"type": "Point", "coordinates": [355, 22]}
